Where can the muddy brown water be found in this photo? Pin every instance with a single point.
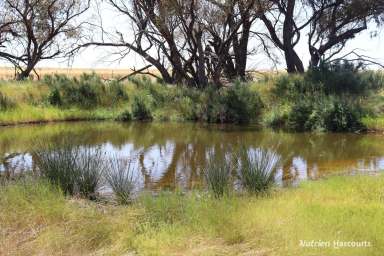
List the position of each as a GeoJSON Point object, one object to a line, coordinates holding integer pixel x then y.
{"type": "Point", "coordinates": [172, 155]}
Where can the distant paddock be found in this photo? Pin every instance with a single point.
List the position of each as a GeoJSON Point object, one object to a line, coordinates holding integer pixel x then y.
{"type": "Point", "coordinates": [9, 73]}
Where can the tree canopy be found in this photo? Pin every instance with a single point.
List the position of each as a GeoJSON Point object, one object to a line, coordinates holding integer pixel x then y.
{"type": "Point", "coordinates": [194, 42]}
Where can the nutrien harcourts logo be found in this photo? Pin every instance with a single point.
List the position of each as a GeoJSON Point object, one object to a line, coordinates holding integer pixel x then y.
{"type": "Point", "coordinates": [336, 244]}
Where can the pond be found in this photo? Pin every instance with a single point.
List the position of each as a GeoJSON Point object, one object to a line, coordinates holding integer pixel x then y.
{"type": "Point", "coordinates": [172, 155]}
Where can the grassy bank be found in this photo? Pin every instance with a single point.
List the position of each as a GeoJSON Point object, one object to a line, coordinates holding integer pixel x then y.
{"type": "Point", "coordinates": [36, 218]}
{"type": "Point", "coordinates": [30, 102]}
{"type": "Point", "coordinates": [320, 100]}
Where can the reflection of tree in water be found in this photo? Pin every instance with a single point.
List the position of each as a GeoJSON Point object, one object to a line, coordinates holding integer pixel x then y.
{"type": "Point", "coordinates": [14, 164]}
{"type": "Point", "coordinates": [188, 146]}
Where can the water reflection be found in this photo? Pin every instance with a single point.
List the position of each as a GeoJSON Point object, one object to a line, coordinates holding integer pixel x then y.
{"type": "Point", "coordinates": [173, 155]}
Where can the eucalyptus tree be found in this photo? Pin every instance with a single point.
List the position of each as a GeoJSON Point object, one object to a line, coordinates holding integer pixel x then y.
{"type": "Point", "coordinates": [281, 19]}
{"type": "Point", "coordinates": [329, 24]}
{"type": "Point", "coordinates": [6, 30]}
{"type": "Point", "coordinates": [191, 42]}
{"type": "Point", "coordinates": [334, 23]}
{"type": "Point", "coordinates": [39, 30]}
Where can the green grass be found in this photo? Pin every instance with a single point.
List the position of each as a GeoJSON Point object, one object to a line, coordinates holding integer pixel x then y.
{"type": "Point", "coordinates": [289, 102]}
{"type": "Point", "coordinates": [374, 123]}
{"type": "Point", "coordinates": [37, 219]}
{"type": "Point", "coordinates": [37, 114]}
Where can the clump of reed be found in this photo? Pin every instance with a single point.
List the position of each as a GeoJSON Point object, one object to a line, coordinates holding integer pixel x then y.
{"type": "Point", "coordinates": [121, 178]}
{"type": "Point", "coordinates": [257, 169]}
{"type": "Point", "coordinates": [76, 170]}
{"type": "Point", "coordinates": [217, 175]}
{"type": "Point", "coordinates": [5, 102]}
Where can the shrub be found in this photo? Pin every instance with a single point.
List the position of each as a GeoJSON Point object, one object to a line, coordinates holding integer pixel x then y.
{"type": "Point", "coordinates": [87, 91]}
{"type": "Point", "coordinates": [187, 108]}
{"type": "Point", "coordinates": [324, 99]}
{"type": "Point", "coordinates": [121, 178]}
{"type": "Point", "coordinates": [125, 116]}
{"type": "Point", "coordinates": [160, 93]}
{"type": "Point", "coordinates": [257, 169]}
{"type": "Point", "coordinates": [325, 114]}
{"type": "Point", "coordinates": [6, 103]}
{"type": "Point", "coordinates": [299, 115]}
{"type": "Point", "coordinates": [84, 92]}
{"type": "Point", "coordinates": [344, 116]}
{"type": "Point", "coordinates": [76, 170]}
{"type": "Point", "coordinates": [337, 79]}
{"type": "Point", "coordinates": [289, 88]}
{"type": "Point", "coordinates": [141, 107]}
{"type": "Point", "coordinates": [54, 97]}
{"type": "Point", "coordinates": [345, 78]}
{"type": "Point", "coordinates": [117, 91]}
{"type": "Point", "coordinates": [277, 117]}
{"type": "Point", "coordinates": [241, 104]}
{"type": "Point", "coordinates": [237, 104]}
{"type": "Point", "coordinates": [217, 175]}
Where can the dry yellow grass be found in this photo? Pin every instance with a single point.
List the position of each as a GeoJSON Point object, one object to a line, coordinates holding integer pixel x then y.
{"type": "Point", "coordinates": [9, 73]}
{"type": "Point", "coordinates": [37, 219]}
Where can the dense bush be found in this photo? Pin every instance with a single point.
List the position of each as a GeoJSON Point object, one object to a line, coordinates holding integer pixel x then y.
{"type": "Point", "coordinates": [236, 104]}
{"type": "Point", "coordinates": [328, 98]}
{"type": "Point", "coordinates": [277, 116]}
{"type": "Point", "coordinates": [161, 93]}
{"type": "Point", "coordinates": [125, 116]}
{"type": "Point", "coordinates": [141, 107]}
{"type": "Point", "coordinates": [6, 103]}
{"type": "Point", "coordinates": [187, 108]}
{"type": "Point", "coordinates": [336, 79]}
{"type": "Point", "coordinates": [86, 91]}
{"type": "Point", "coordinates": [324, 113]}
{"type": "Point", "coordinates": [345, 78]}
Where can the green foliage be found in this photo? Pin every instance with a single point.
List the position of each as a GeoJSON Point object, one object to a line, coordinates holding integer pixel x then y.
{"type": "Point", "coordinates": [217, 175]}
{"type": "Point", "coordinates": [88, 91]}
{"type": "Point", "coordinates": [121, 178]}
{"type": "Point", "coordinates": [76, 170]}
{"type": "Point", "coordinates": [166, 208]}
{"type": "Point", "coordinates": [187, 108]}
{"type": "Point", "coordinates": [241, 103]}
{"type": "Point", "coordinates": [175, 225]}
{"type": "Point", "coordinates": [160, 93]}
{"type": "Point", "coordinates": [277, 116]}
{"type": "Point", "coordinates": [345, 78]}
{"type": "Point", "coordinates": [257, 169]}
{"type": "Point", "coordinates": [338, 79]}
{"type": "Point", "coordinates": [325, 114]}
{"type": "Point", "coordinates": [54, 97]}
{"type": "Point", "coordinates": [6, 103]}
{"type": "Point", "coordinates": [236, 104]}
{"type": "Point", "coordinates": [141, 107]}
{"type": "Point", "coordinates": [325, 99]}
{"type": "Point", "coordinates": [117, 91]}
{"type": "Point", "coordinates": [125, 116]}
